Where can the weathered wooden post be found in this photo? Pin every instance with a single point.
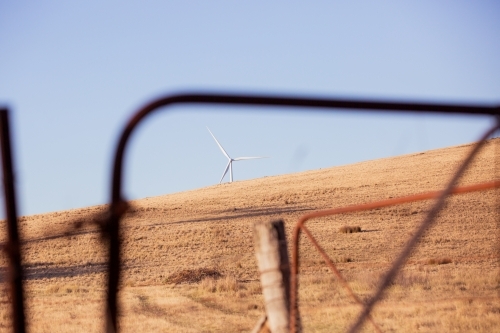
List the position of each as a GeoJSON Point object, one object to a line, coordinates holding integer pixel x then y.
{"type": "Point", "coordinates": [272, 259]}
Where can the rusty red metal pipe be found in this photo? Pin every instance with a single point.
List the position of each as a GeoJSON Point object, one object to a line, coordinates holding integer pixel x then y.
{"type": "Point", "coordinates": [439, 195]}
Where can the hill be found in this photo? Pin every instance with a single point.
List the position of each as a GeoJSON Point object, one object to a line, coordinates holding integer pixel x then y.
{"type": "Point", "coordinates": [189, 262]}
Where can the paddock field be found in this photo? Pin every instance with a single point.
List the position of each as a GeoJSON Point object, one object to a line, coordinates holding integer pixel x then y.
{"type": "Point", "coordinates": [189, 264]}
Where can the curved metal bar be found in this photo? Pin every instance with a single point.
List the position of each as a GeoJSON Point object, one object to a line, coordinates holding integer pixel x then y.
{"type": "Point", "coordinates": [118, 207]}
{"type": "Point", "coordinates": [300, 226]}
{"type": "Point", "coordinates": [431, 216]}
{"type": "Point", "coordinates": [439, 195]}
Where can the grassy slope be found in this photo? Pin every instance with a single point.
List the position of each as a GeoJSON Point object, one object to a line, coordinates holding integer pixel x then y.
{"type": "Point", "coordinates": [212, 228]}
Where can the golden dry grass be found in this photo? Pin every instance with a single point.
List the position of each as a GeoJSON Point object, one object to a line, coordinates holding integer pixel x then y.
{"type": "Point", "coordinates": [450, 283]}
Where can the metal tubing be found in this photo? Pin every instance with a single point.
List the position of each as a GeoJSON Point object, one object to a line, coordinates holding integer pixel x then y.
{"type": "Point", "coordinates": [399, 262]}
{"type": "Point", "coordinates": [116, 185]}
{"type": "Point", "coordinates": [440, 195]}
{"type": "Point", "coordinates": [13, 245]}
{"type": "Point", "coordinates": [300, 226]}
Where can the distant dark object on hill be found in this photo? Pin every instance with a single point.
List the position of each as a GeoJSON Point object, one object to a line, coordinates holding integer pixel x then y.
{"type": "Point", "coordinates": [349, 230]}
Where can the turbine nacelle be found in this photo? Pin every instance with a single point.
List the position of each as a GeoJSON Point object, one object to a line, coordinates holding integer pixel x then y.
{"type": "Point", "coordinates": [231, 160]}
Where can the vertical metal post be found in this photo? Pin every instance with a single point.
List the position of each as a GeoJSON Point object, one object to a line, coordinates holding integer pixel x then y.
{"type": "Point", "coordinates": [113, 271]}
{"type": "Point", "coordinates": [13, 245]}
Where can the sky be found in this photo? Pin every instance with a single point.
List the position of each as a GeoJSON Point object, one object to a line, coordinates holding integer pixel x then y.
{"type": "Point", "coordinates": [72, 73]}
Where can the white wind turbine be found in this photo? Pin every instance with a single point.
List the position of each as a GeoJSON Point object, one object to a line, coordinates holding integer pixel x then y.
{"type": "Point", "coordinates": [231, 160]}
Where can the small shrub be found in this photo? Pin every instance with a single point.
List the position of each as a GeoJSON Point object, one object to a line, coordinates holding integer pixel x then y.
{"type": "Point", "coordinates": [344, 259]}
{"type": "Point", "coordinates": [349, 230]}
{"type": "Point", "coordinates": [193, 275]}
{"type": "Point", "coordinates": [438, 261]}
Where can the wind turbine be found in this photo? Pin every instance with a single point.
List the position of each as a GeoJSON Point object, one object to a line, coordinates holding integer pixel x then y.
{"type": "Point", "coordinates": [231, 160]}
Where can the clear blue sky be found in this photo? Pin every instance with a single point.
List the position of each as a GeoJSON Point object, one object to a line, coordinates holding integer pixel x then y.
{"type": "Point", "coordinates": [72, 72]}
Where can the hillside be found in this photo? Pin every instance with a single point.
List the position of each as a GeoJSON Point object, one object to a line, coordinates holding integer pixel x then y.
{"type": "Point", "coordinates": [211, 228]}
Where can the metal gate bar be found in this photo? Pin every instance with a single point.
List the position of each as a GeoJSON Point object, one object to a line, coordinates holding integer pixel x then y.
{"type": "Point", "coordinates": [118, 206]}
{"type": "Point", "coordinates": [12, 247]}
{"type": "Point", "coordinates": [439, 195]}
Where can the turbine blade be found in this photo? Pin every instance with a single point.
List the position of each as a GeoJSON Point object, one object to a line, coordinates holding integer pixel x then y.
{"type": "Point", "coordinates": [225, 171]}
{"type": "Point", "coordinates": [220, 146]}
{"type": "Point", "coordinates": [249, 158]}
{"type": "Point", "coordinates": [230, 171]}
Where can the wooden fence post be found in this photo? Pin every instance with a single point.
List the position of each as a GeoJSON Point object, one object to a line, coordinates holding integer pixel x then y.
{"type": "Point", "coordinates": [272, 259]}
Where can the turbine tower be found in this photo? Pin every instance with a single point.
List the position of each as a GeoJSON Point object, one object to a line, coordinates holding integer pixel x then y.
{"type": "Point", "coordinates": [231, 160]}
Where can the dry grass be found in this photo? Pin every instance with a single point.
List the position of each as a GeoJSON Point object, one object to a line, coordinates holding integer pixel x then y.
{"type": "Point", "coordinates": [65, 289]}
{"type": "Point", "coordinates": [145, 307]}
{"type": "Point", "coordinates": [177, 237]}
{"type": "Point", "coordinates": [226, 284]}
